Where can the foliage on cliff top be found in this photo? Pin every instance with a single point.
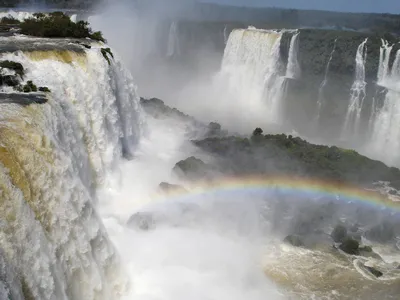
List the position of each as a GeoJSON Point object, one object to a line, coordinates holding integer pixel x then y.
{"type": "Point", "coordinates": [294, 156]}
{"type": "Point", "coordinates": [58, 25]}
{"type": "Point", "coordinates": [9, 21]}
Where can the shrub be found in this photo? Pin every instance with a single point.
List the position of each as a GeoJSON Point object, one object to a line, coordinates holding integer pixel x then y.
{"type": "Point", "coordinates": [44, 89]}
{"type": "Point", "coordinates": [106, 51]}
{"type": "Point", "coordinates": [27, 88]}
{"type": "Point", "coordinates": [9, 21]}
{"type": "Point", "coordinates": [17, 67]}
{"type": "Point", "coordinates": [57, 24]}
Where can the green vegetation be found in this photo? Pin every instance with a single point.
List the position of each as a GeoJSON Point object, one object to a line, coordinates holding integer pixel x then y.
{"type": "Point", "coordinates": [9, 21]}
{"type": "Point", "coordinates": [44, 89]}
{"type": "Point", "coordinates": [11, 65]}
{"type": "Point", "coordinates": [106, 52]}
{"type": "Point", "coordinates": [271, 154]}
{"type": "Point", "coordinates": [58, 25]}
{"type": "Point", "coordinates": [30, 87]}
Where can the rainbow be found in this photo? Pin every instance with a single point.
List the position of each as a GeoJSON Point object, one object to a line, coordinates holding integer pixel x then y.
{"type": "Point", "coordinates": [299, 187]}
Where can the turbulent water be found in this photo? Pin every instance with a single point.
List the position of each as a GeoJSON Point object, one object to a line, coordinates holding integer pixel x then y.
{"type": "Point", "coordinates": [52, 158]}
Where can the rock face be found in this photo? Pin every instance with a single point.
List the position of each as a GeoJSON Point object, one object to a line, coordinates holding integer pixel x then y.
{"type": "Point", "coordinates": [350, 246]}
{"type": "Point", "coordinates": [339, 233]}
{"type": "Point", "coordinates": [166, 187]}
{"type": "Point", "coordinates": [192, 168]}
{"type": "Point", "coordinates": [294, 240]}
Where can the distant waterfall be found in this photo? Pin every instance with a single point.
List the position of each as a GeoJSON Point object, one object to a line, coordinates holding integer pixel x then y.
{"type": "Point", "coordinates": [251, 71]}
{"type": "Point", "coordinates": [320, 100]}
{"type": "Point", "coordinates": [384, 140]}
{"type": "Point", "coordinates": [383, 70]}
{"type": "Point", "coordinates": [358, 92]}
{"type": "Point", "coordinates": [173, 40]}
{"type": "Point", "coordinates": [293, 67]}
{"type": "Point", "coordinates": [53, 156]}
{"type": "Point", "coordinates": [226, 36]}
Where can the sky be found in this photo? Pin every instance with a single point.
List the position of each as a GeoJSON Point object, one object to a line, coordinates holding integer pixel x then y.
{"type": "Point", "coordinates": [378, 6]}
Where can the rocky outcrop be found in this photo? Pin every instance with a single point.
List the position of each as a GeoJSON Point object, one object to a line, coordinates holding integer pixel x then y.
{"type": "Point", "coordinates": [166, 187]}
{"type": "Point", "coordinates": [269, 154]}
{"type": "Point", "coordinates": [193, 169]}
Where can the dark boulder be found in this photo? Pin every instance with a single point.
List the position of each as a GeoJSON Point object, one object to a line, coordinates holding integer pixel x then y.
{"type": "Point", "coordinates": [166, 187]}
{"type": "Point", "coordinates": [367, 251]}
{"type": "Point", "coordinates": [141, 220]}
{"type": "Point", "coordinates": [9, 80]}
{"type": "Point", "coordinates": [294, 240]}
{"type": "Point", "coordinates": [374, 271]}
{"type": "Point", "coordinates": [192, 168]}
{"type": "Point", "coordinates": [350, 246]}
{"type": "Point", "coordinates": [339, 233]}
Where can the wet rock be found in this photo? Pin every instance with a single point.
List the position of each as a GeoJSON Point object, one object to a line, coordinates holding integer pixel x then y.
{"type": "Point", "coordinates": [367, 251]}
{"type": "Point", "coordinates": [339, 233]}
{"type": "Point", "coordinates": [350, 246]}
{"type": "Point", "coordinates": [168, 187]}
{"type": "Point", "coordinates": [9, 80]}
{"type": "Point", "coordinates": [374, 271]}
{"type": "Point", "coordinates": [381, 233]}
{"type": "Point", "coordinates": [141, 220]}
{"type": "Point", "coordinates": [192, 168]}
{"type": "Point", "coordinates": [294, 240]}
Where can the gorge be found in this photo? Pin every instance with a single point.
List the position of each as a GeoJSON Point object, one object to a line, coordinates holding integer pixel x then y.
{"type": "Point", "coordinates": [107, 195]}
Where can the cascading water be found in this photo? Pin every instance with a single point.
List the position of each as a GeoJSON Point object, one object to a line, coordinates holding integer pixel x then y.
{"type": "Point", "coordinates": [52, 158]}
{"type": "Point", "coordinates": [384, 58]}
{"type": "Point", "coordinates": [293, 67]}
{"type": "Point", "coordinates": [385, 122]}
{"type": "Point", "coordinates": [173, 40]}
{"type": "Point", "coordinates": [226, 36]}
{"type": "Point", "coordinates": [353, 115]}
{"type": "Point", "coordinates": [251, 72]}
{"type": "Point", "coordinates": [320, 100]}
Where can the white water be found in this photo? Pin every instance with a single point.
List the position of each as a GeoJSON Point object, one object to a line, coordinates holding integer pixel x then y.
{"type": "Point", "coordinates": [173, 40]}
{"type": "Point", "coordinates": [385, 122]}
{"type": "Point", "coordinates": [384, 57]}
{"type": "Point", "coordinates": [353, 115]}
{"type": "Point", "coordinates": [321, 96]}
{"type": "Point", "coordinates": [293, 67]}
{"type": "Point", "coordinates": [21, 15]}
{"type": "Point", "coordinates": [205, 256]}
{"type": "Point", "coordinates": [251, 74]}
{"type": "Point", "coordinates": [57, 154]}
{"type": "Point", "coordinates": [18, 15]}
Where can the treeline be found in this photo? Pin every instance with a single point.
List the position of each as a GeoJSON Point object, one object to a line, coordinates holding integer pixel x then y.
{"type": "Point", "coordinates": [76, 4]}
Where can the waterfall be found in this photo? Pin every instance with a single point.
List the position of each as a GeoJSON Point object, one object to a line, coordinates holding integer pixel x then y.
{"type": "Point", "coordinates": [251, 72]}
{"type": "Point", "coordinates": [353, 115]}
{"type": "Point", "coordinates": [385, 122]}
{"type": "Point", "coordinates": [173, 40]}
{"type": "Point", "coordinates": [53, 156]}
{"type": "Point", "coordinates": [226, 35]}
{"type": "Point", "coordinates": [324, 82]}
{"type": "Point", "coordinates": [384, 57]}
{"type": "Point", "coordinates": [293, 68]}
